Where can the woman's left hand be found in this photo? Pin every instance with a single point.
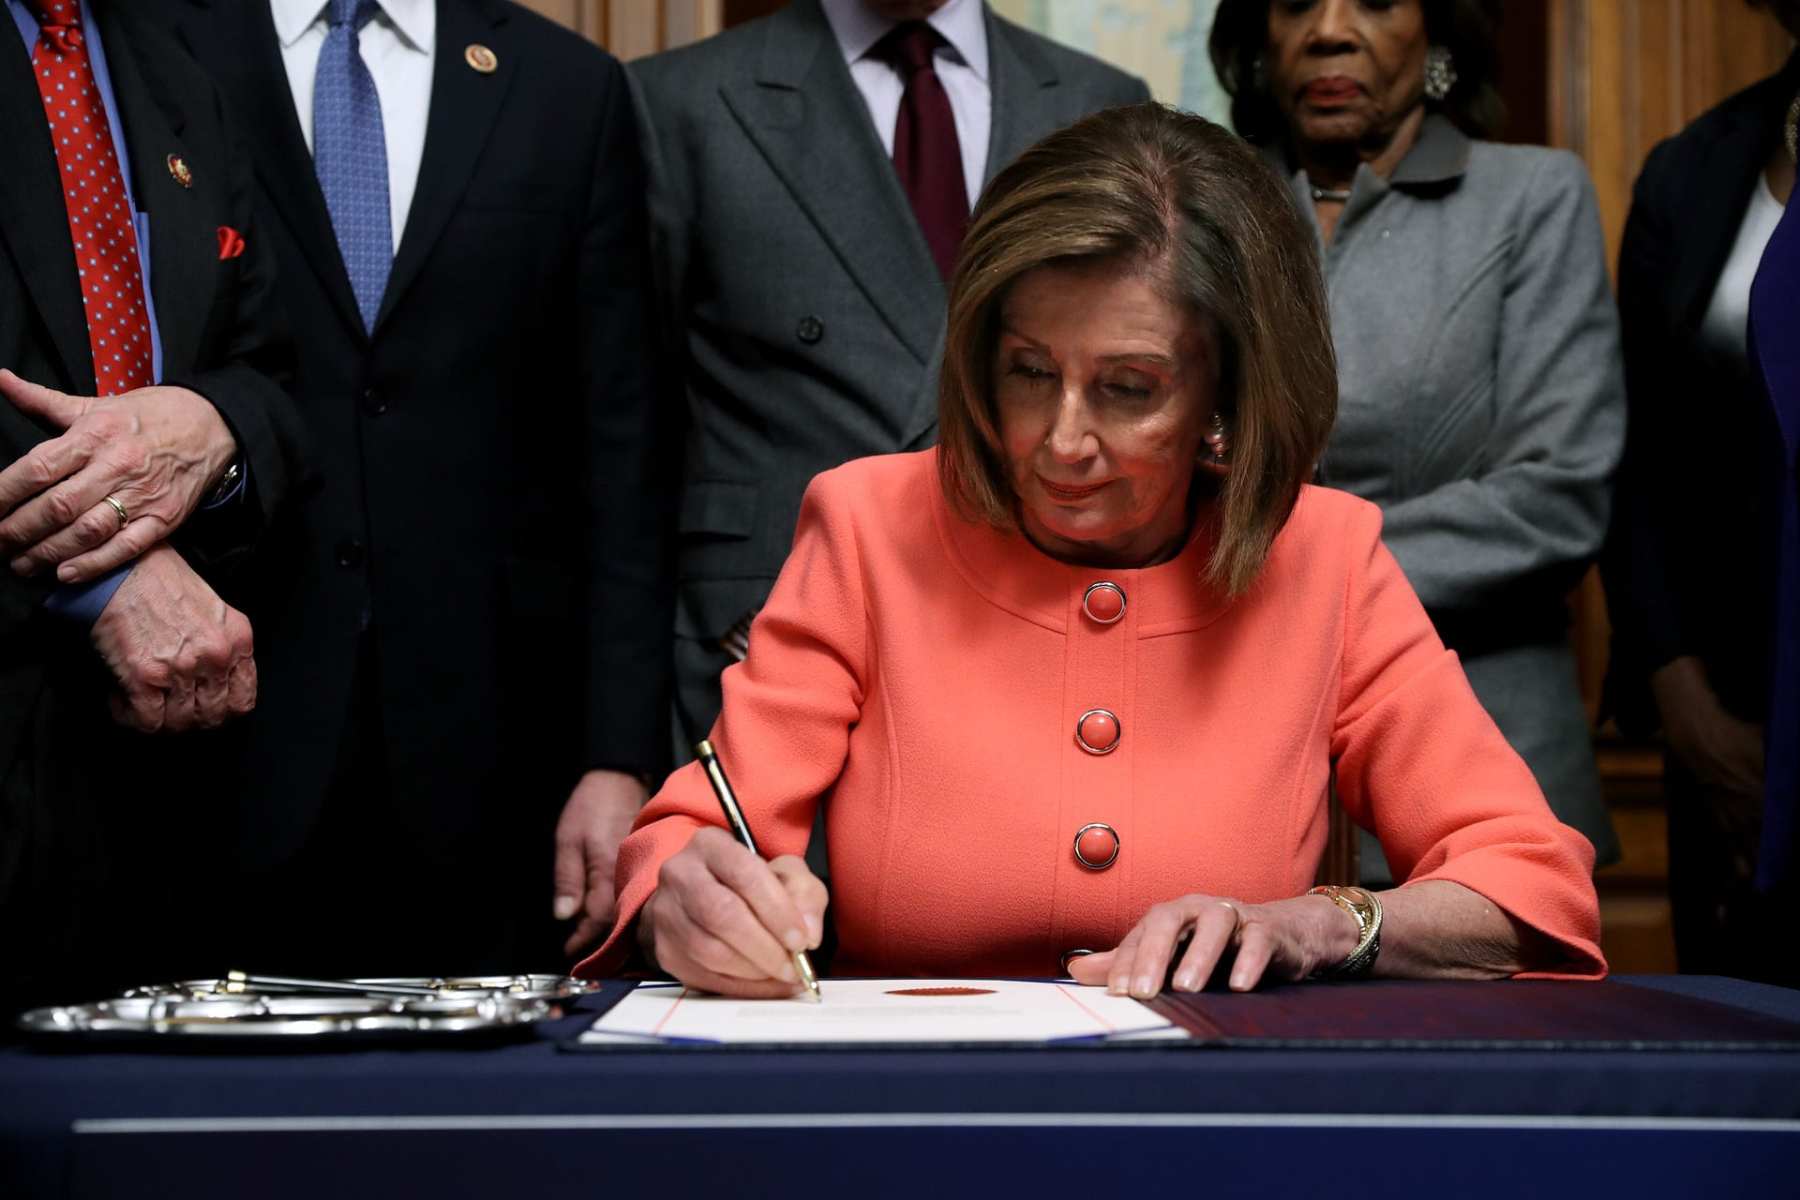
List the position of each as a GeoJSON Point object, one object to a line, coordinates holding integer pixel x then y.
{"type": "Point", "coordinates": [1285, 940]}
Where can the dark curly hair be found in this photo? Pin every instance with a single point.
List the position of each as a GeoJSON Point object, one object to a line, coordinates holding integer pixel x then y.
{"type": "Point", "coordinates": [1469, 29]}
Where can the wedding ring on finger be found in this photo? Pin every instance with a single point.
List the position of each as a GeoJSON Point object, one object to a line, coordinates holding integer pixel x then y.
{"type": "Point", "coordinates": [119, 511]}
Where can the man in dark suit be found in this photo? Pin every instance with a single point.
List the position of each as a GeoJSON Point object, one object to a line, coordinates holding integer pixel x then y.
{"type": "Point", "coordinates": [463, 633]}
{"type": "Point", "coordinates": [811, 176]}
{"type": "Point", "coordinates": [140, 387]}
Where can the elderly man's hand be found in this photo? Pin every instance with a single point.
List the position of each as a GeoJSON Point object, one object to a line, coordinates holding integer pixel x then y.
{"type": "Point", "coordinates": [1287, 939]}
{"type": "Point", "coordinates": [182, 657]}
{"type": "Point", "coordinates": [156, 452]}
{"type": "Point", "coordinates": [595, 820]}
{"type": "Point", "coordinates": [723, 920]}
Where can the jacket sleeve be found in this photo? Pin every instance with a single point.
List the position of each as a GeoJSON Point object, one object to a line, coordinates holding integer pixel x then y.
{"type": "Point", "coordinates": [1421, 763]}
{"type": "Point", "coordinates": [1534, 513]}
{"type": "Point", "coordinates": [785, 728]}
{"type": "Point", "coordinates": [670, 215]}
{"type": "Point", "coordinates": [247, 375]}
{"type": "Point", "coordinates": [1642, 592]}
{"type": "Point", "coordinates": [629, 461]}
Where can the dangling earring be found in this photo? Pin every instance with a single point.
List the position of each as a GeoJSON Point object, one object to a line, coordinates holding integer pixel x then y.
{"type": "Point", "coordinates": [1217, 440]}
{"type": "Point", "coordinates": [1259, 76]}
{"type": "Point", "coordinates": [1440, 74]}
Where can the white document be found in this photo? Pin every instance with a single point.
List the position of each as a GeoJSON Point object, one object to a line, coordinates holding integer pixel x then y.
{"type": "Point", "coordinates": [882, 1011]}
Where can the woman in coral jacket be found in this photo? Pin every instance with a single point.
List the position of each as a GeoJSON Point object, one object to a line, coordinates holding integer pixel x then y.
{"type": "Point", "coordinates": [1075, 685]}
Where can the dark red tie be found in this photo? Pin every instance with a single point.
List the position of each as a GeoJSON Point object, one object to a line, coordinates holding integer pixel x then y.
{"type": "Point", "coordinates": [927, 156]}
{"type": "Point", "coordinates": [106, 245]}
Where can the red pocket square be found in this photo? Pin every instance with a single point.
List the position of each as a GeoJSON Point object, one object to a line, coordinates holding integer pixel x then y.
{"type": "Point", "coordinates": [231, 243]}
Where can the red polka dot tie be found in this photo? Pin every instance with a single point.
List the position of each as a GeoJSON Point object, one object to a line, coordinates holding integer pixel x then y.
{"type": "Point", "coordinates": [106, 245]}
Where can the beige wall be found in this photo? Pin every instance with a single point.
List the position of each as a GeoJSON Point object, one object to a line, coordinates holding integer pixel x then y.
{"type": "Point", "coordinates": [1163, 42]}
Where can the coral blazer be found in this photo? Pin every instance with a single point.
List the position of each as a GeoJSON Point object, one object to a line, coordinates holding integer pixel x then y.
{"type": "Point", "coordinates": [923, 678]}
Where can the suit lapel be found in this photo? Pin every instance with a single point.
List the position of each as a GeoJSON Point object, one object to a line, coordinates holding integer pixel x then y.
{"type": "Point", "coordinates": [1017, 73]}
{"type": "Point", "coordinates": [804, 115]}
{"type": "Point", "coordinates": [33, 222]}
{"type": "Point", "coordinates": [464, 106]}
{"type": "Point", "coordinates": [1735, 160]}
{"type": "Point", "coordinates": [183, 244]}
{"type": "Point", "coordinates": [236, 40]}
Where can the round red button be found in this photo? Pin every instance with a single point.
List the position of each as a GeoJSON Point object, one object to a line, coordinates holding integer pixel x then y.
{"type": "Point", "coordinates": [1103, 603]}
{"type": "Point", "coordinates": [1097, 731]}
{"type": "Point", "coordinates": [1096, 846]}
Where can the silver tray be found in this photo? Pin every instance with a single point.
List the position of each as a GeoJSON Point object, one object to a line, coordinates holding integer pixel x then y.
{"type": "Point", "coordinates": [220, 1018]}
{"type": "Point", "coordinates": [529, 987]}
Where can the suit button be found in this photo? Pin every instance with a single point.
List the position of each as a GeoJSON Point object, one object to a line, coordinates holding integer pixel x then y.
{"type": "Point", "coordinates": [350, 553]}
{"type": "Point", "coordinates": [374, 403]}
{"type": "Point", "coordinates": [1096, 846]}
{"type": "Point", "coordinates": [810, 330]}
{"type": "Point", "coordinates": [1097, 731]}
{"type": "Point", "coordinates": [1103, 603]}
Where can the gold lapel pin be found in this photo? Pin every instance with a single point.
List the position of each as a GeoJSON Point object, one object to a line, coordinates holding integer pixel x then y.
{"type": "Point", "coordinates": [178, 168]}
{"type": "Point", "coordinates": [481, 58]}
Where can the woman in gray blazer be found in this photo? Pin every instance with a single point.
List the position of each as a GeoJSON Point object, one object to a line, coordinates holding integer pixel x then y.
{"type": "Point", "coordinates": [1482, 402]}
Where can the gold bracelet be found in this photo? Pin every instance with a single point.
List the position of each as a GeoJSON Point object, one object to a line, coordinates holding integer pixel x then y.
{"type": "Point", "coordinates": [1362, 905]}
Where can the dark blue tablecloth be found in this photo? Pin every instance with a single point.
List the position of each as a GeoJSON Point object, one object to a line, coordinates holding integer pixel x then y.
{"type": "Point", "coordinates": [511, 1120]}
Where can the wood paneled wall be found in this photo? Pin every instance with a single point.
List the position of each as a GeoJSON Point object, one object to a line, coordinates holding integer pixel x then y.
{"type": "Point", "coordinates": [1624, 74]}
{"type": "Point", "coordinates": [634, 28]}
{"type": "Point", "coordinates": [1621, 76]}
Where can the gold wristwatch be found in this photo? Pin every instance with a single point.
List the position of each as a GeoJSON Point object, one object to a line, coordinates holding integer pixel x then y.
{"type": "Point", "coordinates": [1366, 909]}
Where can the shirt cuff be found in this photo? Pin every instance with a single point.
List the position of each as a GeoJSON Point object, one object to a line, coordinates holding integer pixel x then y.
{"type": "Point", "coordinates": [84, 602]}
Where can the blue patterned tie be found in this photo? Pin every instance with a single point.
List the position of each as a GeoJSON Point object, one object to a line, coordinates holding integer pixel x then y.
{"type": "Point", "coordinates": [350, 155]}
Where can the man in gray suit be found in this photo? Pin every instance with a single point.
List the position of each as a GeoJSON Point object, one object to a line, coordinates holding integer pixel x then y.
{"type": "Point", "coordinates": [811, 174]}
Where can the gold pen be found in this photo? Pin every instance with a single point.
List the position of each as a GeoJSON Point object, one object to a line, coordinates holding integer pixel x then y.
{"type": "Point", "coordinates": [740, 829]}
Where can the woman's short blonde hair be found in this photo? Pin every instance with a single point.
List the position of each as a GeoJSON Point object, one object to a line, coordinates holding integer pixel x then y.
{"type": "Point", "coordinates": [1148, 186]}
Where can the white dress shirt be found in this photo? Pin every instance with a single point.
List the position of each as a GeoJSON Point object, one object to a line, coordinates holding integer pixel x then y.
{"type": "Point", "coordinates": [962, 66]}
{"type": "Point", "coordinates": [398, 47]}
{"type": "Point", "coordinates": [1726, 326]}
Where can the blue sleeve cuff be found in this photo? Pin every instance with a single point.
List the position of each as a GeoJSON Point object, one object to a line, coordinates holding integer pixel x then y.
{"type": "Point", "coordinates": [84, 602]}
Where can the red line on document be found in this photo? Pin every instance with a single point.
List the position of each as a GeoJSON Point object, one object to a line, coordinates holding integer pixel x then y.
{"type": "Point", "coordinates": [657, 1032]}
{"type": "Point", "coordinates": [1102, 1021]}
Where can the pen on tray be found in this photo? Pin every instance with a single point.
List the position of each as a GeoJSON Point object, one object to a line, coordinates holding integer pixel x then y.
{"type": "Point", "coordinates": [237, 982]}
{"type": "Point", "coordinates": [740, 829]}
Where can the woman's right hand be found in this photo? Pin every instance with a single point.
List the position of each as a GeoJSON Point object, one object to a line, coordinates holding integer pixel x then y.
{"type": "Point", "coordinates": [723, 920]}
